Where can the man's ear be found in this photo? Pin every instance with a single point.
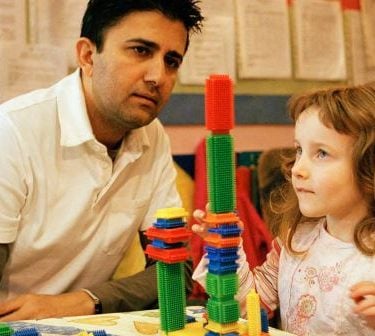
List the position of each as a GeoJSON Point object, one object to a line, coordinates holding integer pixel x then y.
{"type": "Point", "coordinates": [85, 50]}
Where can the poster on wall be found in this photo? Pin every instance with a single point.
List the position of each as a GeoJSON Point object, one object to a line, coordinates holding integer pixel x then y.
{"type": "Point", "coordinates": [361, 73]}
{"type": "Point", "coordinates": [368, 26]}
{"type": "Point", "coordinates": [212, 50]}
{"type": "Point", "coordinates": [318, 34]}
{"type": "Point", "coordinates": [57, 22]}
{"type": "Point", "coordinates": [264, 39]}
{"type": "Point", "coordinates": [12, 21]}
{"type": "Point", "coordinates": [29, 67]}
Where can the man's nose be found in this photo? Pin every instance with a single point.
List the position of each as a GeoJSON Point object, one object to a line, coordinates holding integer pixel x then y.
{"type": "Point", "coordinates": [155, 72]}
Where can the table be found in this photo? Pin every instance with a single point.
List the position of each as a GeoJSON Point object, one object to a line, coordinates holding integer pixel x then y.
{"type": "Point", "coordinates": [120, 324]}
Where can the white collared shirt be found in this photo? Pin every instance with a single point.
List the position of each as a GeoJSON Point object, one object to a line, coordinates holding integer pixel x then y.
{"type": "Point", "coordinates": [66, 209]}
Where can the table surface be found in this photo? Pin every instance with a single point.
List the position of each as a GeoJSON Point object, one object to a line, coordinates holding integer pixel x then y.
{"type": "Point", "coordinates": [122, 324]}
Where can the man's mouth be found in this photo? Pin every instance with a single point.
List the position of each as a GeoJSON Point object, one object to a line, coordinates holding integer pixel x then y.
{"type": "Point", "coordinates": [148, 97]}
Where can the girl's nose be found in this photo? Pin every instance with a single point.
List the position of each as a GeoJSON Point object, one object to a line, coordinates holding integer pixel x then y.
{"type": "Point", "coordinates": [300, 167]}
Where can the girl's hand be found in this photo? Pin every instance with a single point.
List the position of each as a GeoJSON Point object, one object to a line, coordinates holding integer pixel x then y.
{"type": "Point", "coordinates": [363, 294]}
{"type": "Point", "coordinates": [200, 228]}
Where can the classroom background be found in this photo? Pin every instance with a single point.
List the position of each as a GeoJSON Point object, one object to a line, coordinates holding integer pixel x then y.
{"type": "Point", "coordinates": [270, 48]}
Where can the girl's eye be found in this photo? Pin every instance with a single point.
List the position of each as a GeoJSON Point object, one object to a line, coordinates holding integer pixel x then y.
{"type": "Point", "coordinates": [322, 154]}
{"type": "Point", "coordinates": [298, 151]}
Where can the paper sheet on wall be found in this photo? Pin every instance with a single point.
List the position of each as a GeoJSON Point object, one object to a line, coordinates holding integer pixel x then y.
{"type": "Point", "coordinates": [57, 22]}
{"type": "Point", "coordinates": [319, 40]}
{"type": "Point", "coordinates": [361, 73]}
{"type": "Point", "coordinates": [13, 21]}
{"type": "Point", "coordinates": [29, 67]}
{"type": "Point", "coordinates": [213, 50]}
{"type": "Point", "coordinates": [368, 24]}
{"type": "Point", "coordinates": [264, 39]}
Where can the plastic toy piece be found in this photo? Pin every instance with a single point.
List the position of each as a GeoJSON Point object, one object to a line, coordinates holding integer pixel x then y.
{"type": "Point", "coordinates": [253, 313]}
{"type": "Point", "coordinates": [27, 332]}
{"type": "Point", "coordinates": [217, 219]}
{"type": "Point", "coordinates": [221, 252]}
{"type": "Point", "coordinates": [162, 223]}
{"type": "Point", "coordinates": [219, 103]}
{"type": "Point", "coordinates": [222, 328]}
{"type": "Point", "coordinates": [230, 257]}
{"type": "Point", "coordinates": [264, 320]}
{"type": "Point", "coordinates": [162, 245]}
{"type": "Point", "coordinates": [169, 235]}
{"type": "Point", "coordinates": [171, 295]}
{"type": "Point", "coordinates": [221, 173]}
{"type": "Point", "coordinates": [84, 333]}
{"type": "Point", "coordinates": [171, 256]}
{"type": "Point", "coordinates": [222, 286]}
{"type": "Point", "coordinates": [6, 329]}
{"type": "Point", "coordinates": [213, 239]}
{"type": "Point", "coordinates": [227, 230]}
{"type": "Point", "coordinates": [171, 213]}
{"type": "Point", "coordinates": [223, 311]}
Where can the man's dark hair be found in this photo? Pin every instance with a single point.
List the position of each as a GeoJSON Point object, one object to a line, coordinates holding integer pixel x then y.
{"type": "Point", "coordinates": [101, 15]}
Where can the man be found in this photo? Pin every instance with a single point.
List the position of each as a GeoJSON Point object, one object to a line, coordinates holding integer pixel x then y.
{"type": "Point", "coordinates": [85, 164]}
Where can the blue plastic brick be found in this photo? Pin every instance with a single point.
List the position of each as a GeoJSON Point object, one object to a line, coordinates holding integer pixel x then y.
{"type": "Point", "coordinates": [163, 223]}
{"type": "Point", "coordinates": [27, 332]}
{"type": "Point", "coordinates": [222, 269]}
{"type": "Point", "coordinates": [161, 244]}
{"type": "Point", "coordinates": [264, 320]}
{"type": "Point", "coordinates": [221, 251]}
{"type": "Point", "coordinates": [227, 230]}
{"type": "Point", "coordinates": [222, 259]}
{"type": "Point", "coordinates": [100, 332]}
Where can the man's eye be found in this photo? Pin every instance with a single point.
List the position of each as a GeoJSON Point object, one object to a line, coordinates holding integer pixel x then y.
{"type": "Point", "coordinates": [141, 50]}
{"type": "Point", "coordinates": [172, 62]}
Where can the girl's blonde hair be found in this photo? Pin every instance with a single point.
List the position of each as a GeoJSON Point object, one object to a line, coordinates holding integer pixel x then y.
{"type": "Point", "coordinates": [350, 111]}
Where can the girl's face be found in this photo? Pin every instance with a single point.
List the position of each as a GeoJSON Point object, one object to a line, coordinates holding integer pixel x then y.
{"type": "Point", "coordinates": [322, 174]}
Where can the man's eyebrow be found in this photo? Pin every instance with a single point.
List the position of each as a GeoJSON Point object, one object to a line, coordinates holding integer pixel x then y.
{"type": "Point", "coordinates": [175, 54]}
{"type": "Point", "coordinates": [154, 45]}
{"type": "Point", "coordinates": [147, 43]}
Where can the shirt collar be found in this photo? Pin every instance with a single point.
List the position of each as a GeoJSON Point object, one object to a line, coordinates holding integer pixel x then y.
{"type": "Point", "coordinates": [75, 124]}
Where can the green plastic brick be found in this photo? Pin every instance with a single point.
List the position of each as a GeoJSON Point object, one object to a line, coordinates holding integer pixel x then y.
{"type": "Point", "coordinates": [222, 286]}
{"type": "Point", "coordinates": [220, 311]}
{"type": "Point", "coordinates": [221, 173]}
{"type": "Point", "coordinates": [171, 294]}
{"type": "Point", "coordinates": [5, 329]}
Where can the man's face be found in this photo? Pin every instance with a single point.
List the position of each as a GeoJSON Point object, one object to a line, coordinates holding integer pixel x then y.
{"type": "Point", "coordinates": [134, 74]}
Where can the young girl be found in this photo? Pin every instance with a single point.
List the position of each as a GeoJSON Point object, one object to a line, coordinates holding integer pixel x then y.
{"type": "Point", "coordinates": [321, 270]}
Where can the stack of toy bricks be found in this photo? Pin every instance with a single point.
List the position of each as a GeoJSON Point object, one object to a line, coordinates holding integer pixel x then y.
{"type": "Point", "coordinates": [169, 236]}
{"type": "Point", "coordinates": [223, 237]}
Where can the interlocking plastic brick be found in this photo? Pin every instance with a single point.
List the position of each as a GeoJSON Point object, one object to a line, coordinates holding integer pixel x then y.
{"type": "Point", "coordinates": [221, 173]}
{"type": "Point", "coordinates": [221, 286]}
{"type": "Point", "coordinates": [220, 311]}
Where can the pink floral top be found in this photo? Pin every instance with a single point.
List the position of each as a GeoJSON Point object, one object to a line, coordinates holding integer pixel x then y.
{"type": "Point", "coordinates": [312, 290]}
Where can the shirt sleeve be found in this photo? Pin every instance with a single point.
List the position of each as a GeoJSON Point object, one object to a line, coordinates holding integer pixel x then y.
{"type": "Point", "coordinates": [13, 181]}
{"type": "Point", "coordinates": [4, 255]}
{"type": "Point", "coordinates": [263, 278]}
{"type": "Point", "coordinates": [137, 292]}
